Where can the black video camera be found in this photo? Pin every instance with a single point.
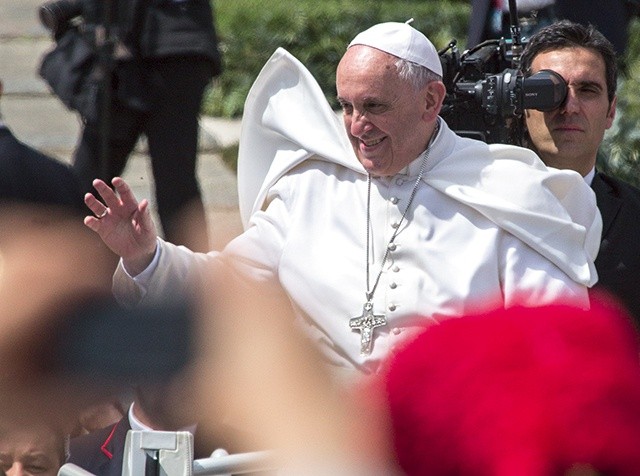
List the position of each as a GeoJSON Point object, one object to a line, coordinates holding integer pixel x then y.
{"type": "Point", "coordinates": [57, 15]}
{"type": "Point", "coordinates": [487, 94]}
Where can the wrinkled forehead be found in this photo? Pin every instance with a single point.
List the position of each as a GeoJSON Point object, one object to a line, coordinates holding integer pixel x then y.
{"type": "Point", "coordinates": [366, 60]}
{"type": "Point", "coordinates": [366, 68]}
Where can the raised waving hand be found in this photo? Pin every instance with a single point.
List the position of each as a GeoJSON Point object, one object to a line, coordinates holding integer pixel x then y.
{"type": "Point", "coordinates": [123, 223]}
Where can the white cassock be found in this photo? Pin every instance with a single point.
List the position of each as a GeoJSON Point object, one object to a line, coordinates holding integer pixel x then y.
{"type": "Point", "coordinates": [490, 226]}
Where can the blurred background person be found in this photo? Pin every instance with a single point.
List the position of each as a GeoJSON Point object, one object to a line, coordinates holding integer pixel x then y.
{"type": "Point", "coordinates": [569, 137]}
{"type": "Point", "coordinates": [29, 176]}
{"type": "Point", "coordinates": [164, 56]}
{"type": "Point", "coordinates": [490, 19]}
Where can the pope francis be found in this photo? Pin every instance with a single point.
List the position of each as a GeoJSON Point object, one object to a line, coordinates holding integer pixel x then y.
{"type": "Point", "coordinates": [379, 225]}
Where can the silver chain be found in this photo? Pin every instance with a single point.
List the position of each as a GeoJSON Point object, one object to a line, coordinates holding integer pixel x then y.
{"type": "Point", "coordinates": [425, 154]}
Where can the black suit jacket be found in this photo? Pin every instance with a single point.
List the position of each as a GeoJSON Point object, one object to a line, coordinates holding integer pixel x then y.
{"type": "Point", "coordinates": [101, 452]}
{"type": "Point", "coordinates": [618, 261]}
{"type": "Point", "coordinates": [27, 175]}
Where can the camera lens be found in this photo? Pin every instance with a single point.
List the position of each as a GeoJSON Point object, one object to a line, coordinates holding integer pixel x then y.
{"type": "Point", "coordinates": [49, 14]}
{"type": "Point", "coordinates": [56, 15]}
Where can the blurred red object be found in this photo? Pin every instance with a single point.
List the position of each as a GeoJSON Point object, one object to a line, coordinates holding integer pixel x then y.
{"type": "Point", "coordinates": [525, 391]}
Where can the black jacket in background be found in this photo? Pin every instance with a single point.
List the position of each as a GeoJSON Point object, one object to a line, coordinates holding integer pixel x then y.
{"type": "Point", "coordinates": [29, 176]}
{"type": "Point", "coordinates": [618, 261]}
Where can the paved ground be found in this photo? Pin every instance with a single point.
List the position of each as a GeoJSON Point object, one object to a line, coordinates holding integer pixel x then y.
{"type": "Point", "coordinates": [39, 119]}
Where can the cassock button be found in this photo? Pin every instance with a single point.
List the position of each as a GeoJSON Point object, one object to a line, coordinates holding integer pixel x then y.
{"type": "Point", "coordinates": [393, 285]}
{"type": "Point", "coordinates": [395, 224]}
{"type": "Point", "coordinates": [399, 181]}
{"type": "Point", "coordinates": [392, 307]}
{"type": "Point", "coordinates": [396, 330]}
{"type": "Point", "coordinates": [395, 269]}
{"type": "Point", "coordinates": [394, 200]}
{"type": "Point", "coordinates": [392, 246]}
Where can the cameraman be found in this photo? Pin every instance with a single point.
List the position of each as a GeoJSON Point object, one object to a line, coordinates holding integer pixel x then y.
{"type": "Point", "coordinates": [164, 55]}
{"type": "Point", "coordinates": [569, 137]}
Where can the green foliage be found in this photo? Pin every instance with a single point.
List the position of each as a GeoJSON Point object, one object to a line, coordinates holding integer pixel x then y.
{"type": "Point", "coordinates": [621, 149]}
{"type": "Point", "coordinates": [314, 31]}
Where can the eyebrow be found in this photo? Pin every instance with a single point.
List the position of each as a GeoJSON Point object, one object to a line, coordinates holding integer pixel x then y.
{"type": "Point", "coordinates": [38, 457]}
{"type": "Point", "coordinates": [589, 83]}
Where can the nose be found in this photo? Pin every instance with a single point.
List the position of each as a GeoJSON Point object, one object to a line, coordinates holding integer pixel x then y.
{"type": "Point", "coordinates": [359, 123]}
{"type": "Point", "coordinates": [16, 469]}
{"type": "Point", "coordinates": [571, 103]}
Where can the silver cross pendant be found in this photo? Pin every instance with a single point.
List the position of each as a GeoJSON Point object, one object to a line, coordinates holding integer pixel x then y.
{"type": "Point", "coordinates": [366, 323]}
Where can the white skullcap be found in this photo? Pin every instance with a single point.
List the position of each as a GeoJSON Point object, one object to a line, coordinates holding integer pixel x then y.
{"type": "Point", "coordinates": [403, 41]}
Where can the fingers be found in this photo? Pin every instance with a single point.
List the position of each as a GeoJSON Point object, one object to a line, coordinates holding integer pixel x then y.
{"type": "Point", "coordinates": [124, 192]}
{"type": "Point", "coordinates": [95, 205]}
{"type": "Point", "coordinates": [118, 197]}
{"type": "Point", "coordinates": [107, 194]}
{"type": "Point", "coordinates": [143, 216]}
{"type": "Point", "coordinates": [92, 223]}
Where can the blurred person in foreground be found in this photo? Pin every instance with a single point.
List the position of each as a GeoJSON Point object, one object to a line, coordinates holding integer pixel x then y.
{"type": "Point", "coordinates": [48, 266]}
{"type": "Point", "coordinates": [258, 390]}
{"type": "Point", "coordinates": [366, 224]}
{"type": "Point", "coordinates": [29, 177]}
{"type": "Point", "coordinates": [31, 449]}
{"type": "Point", "coordinates": [570, 136]}
{"type": "Point", "coordinates": [557, 392]}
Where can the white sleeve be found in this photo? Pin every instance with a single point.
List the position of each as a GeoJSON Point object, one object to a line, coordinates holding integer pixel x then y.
{"type": "Point", "coordinates": [255, 254]}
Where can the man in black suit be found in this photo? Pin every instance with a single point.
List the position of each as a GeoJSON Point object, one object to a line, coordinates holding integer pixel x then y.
{"type": "Point", "coordinates": [102, 452]}
{"type": "Point", "coordinates": [29, 176]}
{"type": "Point", "coordinates": [569, 138]}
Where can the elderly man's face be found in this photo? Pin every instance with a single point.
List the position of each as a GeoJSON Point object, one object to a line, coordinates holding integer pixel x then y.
{"type": "Point", "coordinates": [32, 451]}
{"type": "Point", "coordinates": [569, 137]}
{"type": "Point", "coordinates": [387, 120]}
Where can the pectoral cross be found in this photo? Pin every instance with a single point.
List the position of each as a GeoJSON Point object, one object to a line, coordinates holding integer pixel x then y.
{"type": "Point", "coordinates": [366, 323]}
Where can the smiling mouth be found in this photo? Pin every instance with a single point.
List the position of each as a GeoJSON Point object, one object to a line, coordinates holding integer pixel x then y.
{"type": "Point", "coordinates": [372, 143]}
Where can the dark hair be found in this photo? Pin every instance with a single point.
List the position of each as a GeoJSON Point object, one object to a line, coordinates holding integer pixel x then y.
{"type": "Point", "coordinates": [568, 34]}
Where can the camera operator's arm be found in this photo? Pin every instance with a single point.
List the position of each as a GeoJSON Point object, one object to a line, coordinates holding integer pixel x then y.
{"type": "Point", "coordinates": [123, 224]}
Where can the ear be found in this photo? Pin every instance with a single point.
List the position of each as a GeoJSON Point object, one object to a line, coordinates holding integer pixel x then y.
{"type": "Point", "coordinates": [611, 113]}
{"type": "Point", "coordinates": [433, 95]}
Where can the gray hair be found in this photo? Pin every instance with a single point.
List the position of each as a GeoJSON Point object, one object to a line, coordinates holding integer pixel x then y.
{"type": "Point", "coordinates": [417, 75]}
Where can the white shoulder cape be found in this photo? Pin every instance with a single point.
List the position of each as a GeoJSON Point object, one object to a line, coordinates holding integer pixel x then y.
{"type": "Point", "coordinates": [287, 119]}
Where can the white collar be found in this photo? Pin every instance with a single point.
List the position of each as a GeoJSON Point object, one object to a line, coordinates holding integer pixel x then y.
{"type": "Point", "coordinates": [589, 177]}
{"type": "Point", "coordinates": [139, 426]}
